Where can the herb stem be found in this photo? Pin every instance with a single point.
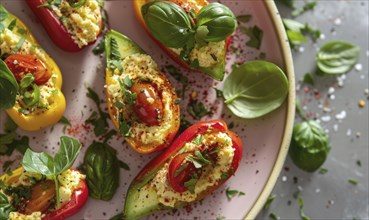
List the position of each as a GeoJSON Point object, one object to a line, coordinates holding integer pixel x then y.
{"type": "Point", "coordinates": [300, 112]}
{"type": "Point", "coordinates": [57, 195]}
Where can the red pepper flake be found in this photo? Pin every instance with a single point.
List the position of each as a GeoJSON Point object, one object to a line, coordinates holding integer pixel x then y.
{"type": "Point", "coordinates": [316, 94]}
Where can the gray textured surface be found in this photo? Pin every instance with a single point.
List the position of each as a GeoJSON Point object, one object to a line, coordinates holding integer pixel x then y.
{"type": "Point", "coordinates": [330, 195]}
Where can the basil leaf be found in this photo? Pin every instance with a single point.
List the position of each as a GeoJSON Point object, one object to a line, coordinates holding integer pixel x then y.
{"type": "Point", "coordinates": [5, 205]}
{"type": "Point", "coordinates": [3, 13]}
{"type": "Point", "coordinates": [337, 57]}
{"type": "Point", "coordinates": [309, 146]}
{"type": "Point", "coordinates": [219, 20]}
{"type": "Point", "coordinates": [67, 154]}
{"type": "Point", "coordinates": [168, 23]}
{"type": "Point", "coordinates": [31, 98]}
{"type": "Point", "coordinates": [255, 88]}
{"type": "Point", "coordinates": [8, 87]}
{"type": "Point", "coordinates": [47, 165]}
{"type": "Point", "coordinates": [102, 171]}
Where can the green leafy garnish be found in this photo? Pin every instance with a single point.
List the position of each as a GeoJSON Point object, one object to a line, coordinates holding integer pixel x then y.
{"type": "Point", "coordinates": [100, 47]}
{"type": "Point", "coordinates": [178, 76]}
{"type": "Point", "coordinates": [124, 127]}
{"type": "Point", "coordinates": [181, 168]}
{"type": "Point", "coordinates": [255, 34]}
{"type": "Point", "coordinates": [269, 201]}
{"type": "Point", "coordinates": [12, 24]}
{"type": "Point", "coordinates": [273, 216]}
{"type": "Point", "coordinates": [230, 193]}
{"type": "Point", "coordinates": [191, 184]}
{"type": "Point", "coordinates": [219, 93]}
{"type": "Point", "coordinates": [308, 78]}
{"type": "Point", "coordinates": [19, 44]}
{"type": "Point", "coordinates": [353, 181]}
{"type": "Point", "coordinates": [307, 6]}
{"type": "Point", "coordinates": [49, 166]}
{"type": "Point", "coordinates": [255, 88]}
{"type": "Point", "coordinates": [102, 171]}
{"type": "Point", "coordinates": [8, 87]}
{"type": "Point", "coordinates": [198, 139]}
{"type": "Point", "coordinates": [337, 57]}
{"type": "Point", "coordinates": [198, 109]}
{"type": "Point", "coordinates": [302, 213]}
{"type": "Point", "coordinates": [5, 205]}
{"type": "Point", "coordinates": [98, 120]}
{"type": "Point", "coordinates": [198, 159]}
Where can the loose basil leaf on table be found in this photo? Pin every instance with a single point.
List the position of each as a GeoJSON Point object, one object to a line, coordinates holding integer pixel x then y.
{"type": "Point", "coordinates": [309, 146]}
{"type": "Point", "coordinates": [168, 23]}
{"type": "Point", "coordinates": [219, 20]}
{"type": "Point", "coordinates": [102, 171]}
{"type": "Point", "coordinates": [255, 88]}
{"type": "Point", "coordinates": [8, 87]}
{"type": "Point", "coordinates": [337, 57]}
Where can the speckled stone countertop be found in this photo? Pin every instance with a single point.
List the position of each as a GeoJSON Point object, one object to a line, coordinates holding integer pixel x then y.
{"type": "Point", "coordinates": [334, 101]}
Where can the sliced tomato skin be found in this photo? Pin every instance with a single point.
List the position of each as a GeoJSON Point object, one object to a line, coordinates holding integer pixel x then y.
{"type": "Point", "coordinates": [178, 177]}
{"type": "Point", "coordinates": [22, 64]}
{"type": "Point", "coordinates": [148, 106]}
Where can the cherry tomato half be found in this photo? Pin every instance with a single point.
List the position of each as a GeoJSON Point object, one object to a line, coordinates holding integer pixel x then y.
{"type": "Point", "coordinates": [21, 64]}
{"type": "Point", "coordinates": [180, 171]}
{"type": "Point", "coordinates": [148, 106]}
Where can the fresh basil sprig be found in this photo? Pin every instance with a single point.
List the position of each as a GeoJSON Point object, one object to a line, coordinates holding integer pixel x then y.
{"type": "Point", "coordinates": [168, 22]}
{"type": "Point", "coordinates": [8, 87]}
{"type": "Point", "coordinates": [218, 19]}
{"type": "Point", "coordinates": [49, 166]}
{"type": "Point", "coordinates": [102, 171]}
{"type": "Point", "coordinates": [337, 57]}
{"type": "Point", "coordinates": [174, 27]}
{"type": "Point", "coordinates": [309, 145]}
{"type": "Point", "coordinates": [255, 88]}
{"type": "Point", "coordinates": [5, 207]}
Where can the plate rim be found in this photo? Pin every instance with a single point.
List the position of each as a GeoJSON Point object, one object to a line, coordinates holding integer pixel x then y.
{"type": "Point", "coordinates": [290, 114]}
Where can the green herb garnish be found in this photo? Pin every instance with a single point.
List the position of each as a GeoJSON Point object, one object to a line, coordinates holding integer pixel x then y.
{"type": "Point", "coordinates": [230, 193]}
{"type": "Point", "coordinates": [50, 166]}
{"type": "Point", "coordinates": [269, 201]}
{"type": "Point", "coordinates": [98, 120]}
{"type": "Point", "coordinates": [198, 109]}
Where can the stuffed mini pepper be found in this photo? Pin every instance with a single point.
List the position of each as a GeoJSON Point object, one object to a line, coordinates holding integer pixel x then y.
{"type": "Point", "coordinates": [39, 191]}
{"type": "Point", "coordinates": [71, 24]}
{"type": "Point", "coordinates": [201, 159]}
{"type": "Point", "coordinates": [141, 101]}
{"type": "Point", "coordinates": [31, 80]}
{"type": "Point", "coordinates": [196, 34]}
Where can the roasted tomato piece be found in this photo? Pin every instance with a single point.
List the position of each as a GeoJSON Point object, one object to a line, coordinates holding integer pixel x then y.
{"type": "Point", "coordinates": [148, 106]}
{"type": "Point", "coordinates": [22, 64]}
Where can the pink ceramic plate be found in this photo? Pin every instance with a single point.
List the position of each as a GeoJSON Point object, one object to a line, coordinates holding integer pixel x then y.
{"type": "Point", "coordinates": [265, 139]}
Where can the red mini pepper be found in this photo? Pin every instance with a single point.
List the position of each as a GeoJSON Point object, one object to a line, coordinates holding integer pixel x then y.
{"type": "Point", "coordinates": [142, 199]}
{"type": "Point", "coordinates": [78, 199]}
{"type": "Point", "coordinates": [54, 28]}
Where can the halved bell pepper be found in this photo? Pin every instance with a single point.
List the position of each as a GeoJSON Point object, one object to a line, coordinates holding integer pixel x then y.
{"type": "Point", "coordinates": [217, 71]}
{"type": "Point", "coordinates": [146, 100]}
{"type": "Point", "coordinates": [54, 26]}
{"type": "Point", "coordinates": [20, 64]}
{"type": "Point", "coordinates": [44, 193]}
{"type": "Point", "coordinates": [142, 198]}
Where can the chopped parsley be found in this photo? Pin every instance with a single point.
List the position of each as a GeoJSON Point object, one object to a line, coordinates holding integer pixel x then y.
{"type": "Point", "coordinates": [219, 93]}
{"type": "Point", "coordinates": [255, 34]}
{"type": "Point", "coordinates": [124, 127]}
{"type": "Point", "coordinates": [129, 97]}
{"type": "Point", "coordinates": [98, 120]}
{"type": "Point", "coordinates": [181, 168]}
{"type": "Point", "coordinates": [184, 124]}
{"type": "Point", "coordinates": [12, 24]}
{"type": "Point", "coordinates": [178, 76]}
{"type": "Point", "coordinates": [191, 184]}
{"type": "Point", "coordinates": [123, 165]}
{"type": "Point", "coordinates": [353, 181]}
{"type": "Point", "coordinates": [269, 201]}
{"type": "Point", "coordinates": [19, 44]}
{"type": "Point", "coordinates": [307, 6]}
{"type": "Point", "coordinates": [100, 47]}
{"type": "Point", "coordinates": [273, 216]}
{"type": "Point", "coordinates": [198, 139]}
{"type": "Point", "coordinates": [323, 170]}
{"type": "Point", "coordinates": [198, 159]}
{"type": "Point", "coordinates": [244, 18]}
{"type": "Point", "coordinates": [197, 109]}
{"type": "Point", "coordinates": [230, 193]}
{"type": "Point", "coordinates": [301, 206]}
